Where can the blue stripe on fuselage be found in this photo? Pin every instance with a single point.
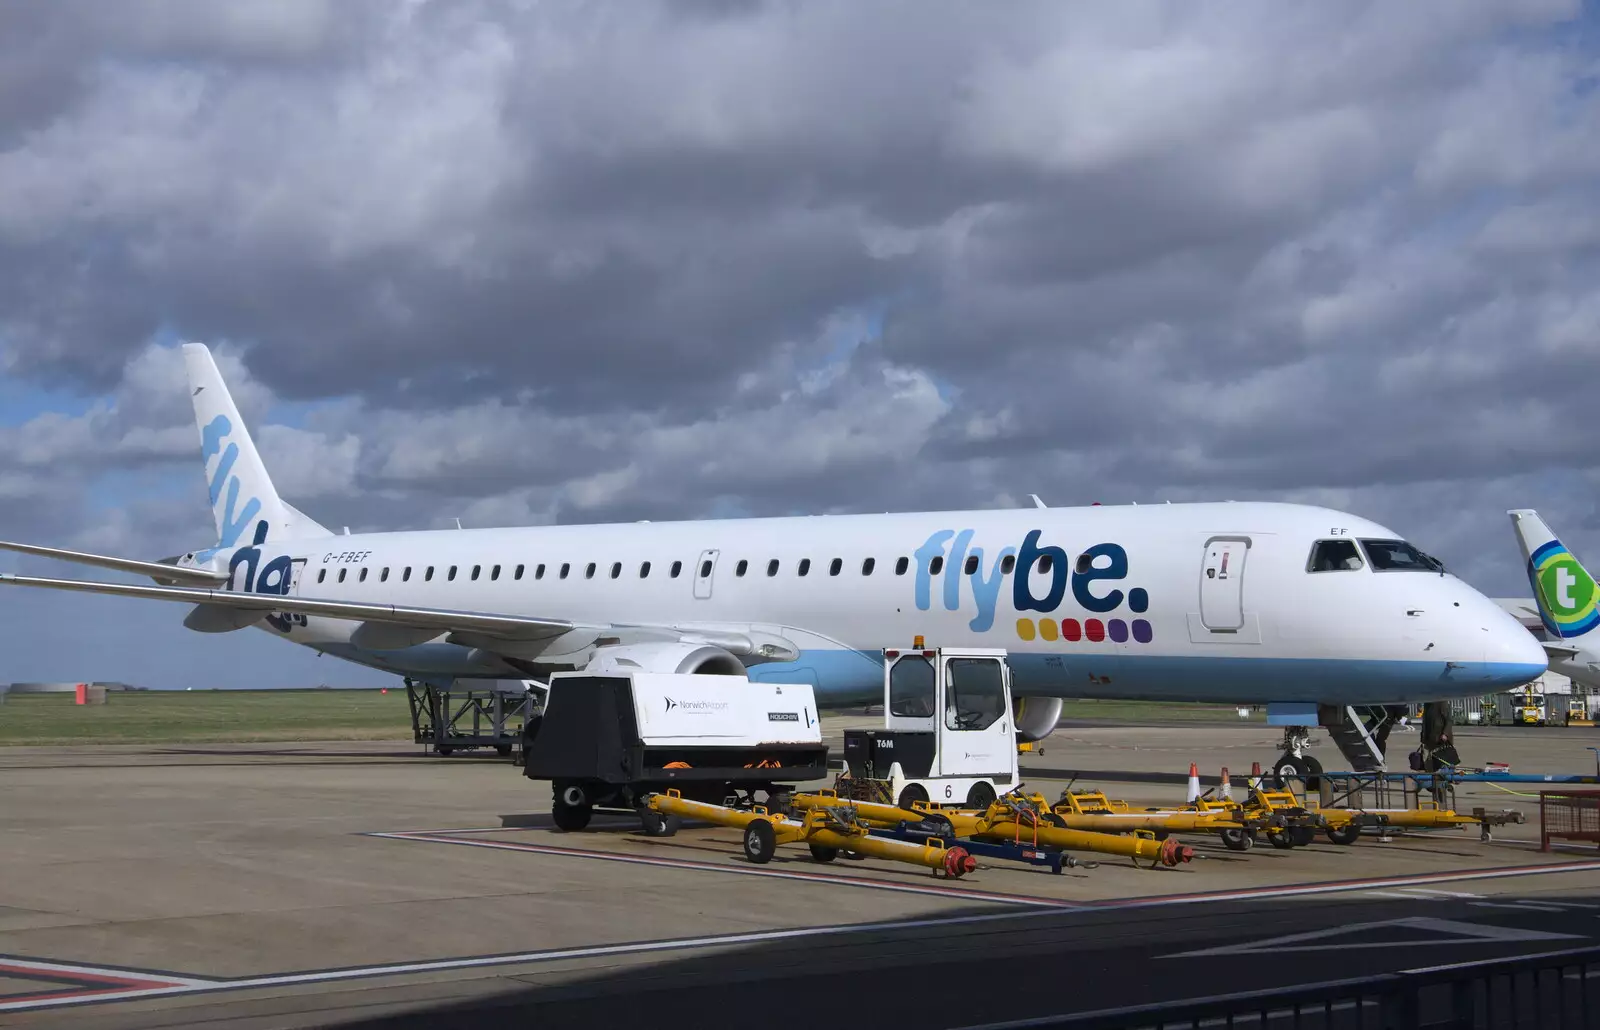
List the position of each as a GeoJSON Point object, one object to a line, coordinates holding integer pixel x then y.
{"type": "Point", "coordinates": [855, 677]}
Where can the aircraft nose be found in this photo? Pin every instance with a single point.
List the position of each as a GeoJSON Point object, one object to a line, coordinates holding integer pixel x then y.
{"type": "Point", "coordinates": [1511, 655]}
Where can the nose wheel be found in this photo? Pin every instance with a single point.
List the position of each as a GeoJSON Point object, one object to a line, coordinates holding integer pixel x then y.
{"type": "Point", "coordinates": [1295, 764]}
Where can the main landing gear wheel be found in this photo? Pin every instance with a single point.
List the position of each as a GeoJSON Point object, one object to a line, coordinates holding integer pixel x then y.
{"type": "Point", "coordinates": [760, 841]}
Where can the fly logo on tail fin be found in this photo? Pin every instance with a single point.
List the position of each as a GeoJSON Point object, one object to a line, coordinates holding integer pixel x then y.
{"type": "Point", "coordinates": [231, 519]}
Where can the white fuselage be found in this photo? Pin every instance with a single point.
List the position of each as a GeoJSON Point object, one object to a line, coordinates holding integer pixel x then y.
{"type": "Point", "coordinates": [1212, 602]}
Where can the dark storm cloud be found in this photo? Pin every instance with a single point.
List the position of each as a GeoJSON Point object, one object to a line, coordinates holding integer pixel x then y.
{"type": "Point", "coordinates": [573, 261]}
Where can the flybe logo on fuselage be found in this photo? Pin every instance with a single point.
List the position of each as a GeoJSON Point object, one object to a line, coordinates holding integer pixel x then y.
{"type": "Point", "coordinates": [1086, 580]}
{"type": "Point", "coordinates": [1569, 600]}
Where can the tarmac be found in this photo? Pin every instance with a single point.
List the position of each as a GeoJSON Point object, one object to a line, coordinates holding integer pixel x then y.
{"type": "Point", "coordinates": [369, 884]}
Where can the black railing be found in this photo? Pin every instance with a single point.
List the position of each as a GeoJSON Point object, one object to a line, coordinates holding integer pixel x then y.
{"type": "Point", "coordinates": [1549, 991]}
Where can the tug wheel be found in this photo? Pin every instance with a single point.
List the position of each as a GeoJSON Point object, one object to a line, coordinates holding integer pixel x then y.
{"type": "Point", "coordinates": [1343, 835]}
{"type": "Point", "coordinates": [912, 794]}
{"type": "Point", "coordinates": [981, 796]}
{"type": "Point", "coordinates": [1281, 840]}
{"type": "Point", "coordinates": [822, 854]}
{"type": "Point", "coordinates": [570, 818]}
{"type": "Point", "coordinates": [760, 841]}
{"type": "Point", "coordinates": [1303, 835]}
{"type": "Point", "coordinates": [1237, 840]}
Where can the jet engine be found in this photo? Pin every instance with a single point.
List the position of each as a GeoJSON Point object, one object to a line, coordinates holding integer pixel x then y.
{"type": "Point", "coordinates": [666, 657]}
{"type": "Point", "coordinates": [1035, 717]}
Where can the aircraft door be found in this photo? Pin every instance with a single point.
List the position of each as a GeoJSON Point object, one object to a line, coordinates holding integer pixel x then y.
{"type": "Point", "coordinates": [295, 569]}
{"type": "Point", "coordinates": [704, 569]}
{"type": "Point", "coordinates": [1222, 584]}
{"type": "Point", "coordinates": [977, 737]}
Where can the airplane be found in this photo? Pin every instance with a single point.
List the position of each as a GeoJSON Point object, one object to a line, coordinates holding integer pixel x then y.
{"type": "Point", "coordinates": [1565, 602]}
{"type": "Point", "coordinates": [1307, 610]}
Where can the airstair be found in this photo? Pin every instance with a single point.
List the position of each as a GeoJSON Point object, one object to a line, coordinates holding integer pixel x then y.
{"type": "Point", "coordinates": [1360, 732]}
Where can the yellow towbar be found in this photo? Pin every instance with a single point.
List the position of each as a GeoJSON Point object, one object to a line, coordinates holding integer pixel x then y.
{"type": "Point", "coordinates": [827, 831]}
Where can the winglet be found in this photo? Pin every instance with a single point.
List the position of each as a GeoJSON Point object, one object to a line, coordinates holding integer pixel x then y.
{"type": "Point", "coordinates": [1568, 598]}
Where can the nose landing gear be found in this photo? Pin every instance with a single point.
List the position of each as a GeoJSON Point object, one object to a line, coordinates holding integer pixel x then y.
{"type": "Point", "coordinates": [1295, 764]}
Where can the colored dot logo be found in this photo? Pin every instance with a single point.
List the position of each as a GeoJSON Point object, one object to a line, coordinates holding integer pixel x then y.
{"type": "Point", "coordinates": [1570, 599]}
{"type": "Point", "coordinates": [1092, 630]}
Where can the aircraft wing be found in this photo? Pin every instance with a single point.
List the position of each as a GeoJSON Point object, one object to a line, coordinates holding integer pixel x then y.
{"type": "Point", "coordinates": [440, 620]}
{"type": "Point", "coordinates": [160, 571]}
{"type": "Point", "coordinates": [395, 626]}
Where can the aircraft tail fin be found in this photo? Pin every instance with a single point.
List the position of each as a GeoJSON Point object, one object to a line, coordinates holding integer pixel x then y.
{"type": "Point", "coordinates": [244, 502]}
{"type": "Point", "coordinates": [1568, 599]}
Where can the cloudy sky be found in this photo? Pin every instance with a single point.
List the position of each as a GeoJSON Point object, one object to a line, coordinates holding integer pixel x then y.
{"type": "Point", "coordinates": [562, 262]}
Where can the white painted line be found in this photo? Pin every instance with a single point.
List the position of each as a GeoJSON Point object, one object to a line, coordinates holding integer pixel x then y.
{"type": "Point", "coordinates": [664, 862]}
{"type": "Point", "coordinates": [1439, 893]}
{"type": "Point", "coordinates": [195, 986]}
{"type": "Point", "coordinates": [1523, 906]}
{"type": "Point", "coordinates": [1438, 932]}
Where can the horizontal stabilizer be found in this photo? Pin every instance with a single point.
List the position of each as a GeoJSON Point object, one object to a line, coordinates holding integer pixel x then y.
{"type": "Point", "coordinates": [162, 572]}
{"type": "Point", "coordinates": [1560, 650]}
{"type": "Point", "coordinates": [515, 627]}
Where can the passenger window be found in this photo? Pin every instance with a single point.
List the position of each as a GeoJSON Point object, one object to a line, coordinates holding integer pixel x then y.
{"type": "Point", "coordinates": [867, 566]}
{"type": "Point", "coordinates": [566, 567]}
{"type": "Point", "coordinates": [936, 565]}
{"type": "Point", "coordinates": [341, 574]}
{"type": "Point", "coordinates": [1008, 563]}
{"type": "Point", "coordinates": [494, 573]}
{"type": "Point", "coordinates": [972, 564]}
{"type": "Point", "coordinates": [452, 574]}
{"type": "Point", "coordinates": [739, 569]}
{"type": "Point", "coordinates": [1085, 563]}
{"type": "Point", "coordinates": [405, 574]}
{"type": "Point", "coordinates": [644, 570]}
{"type": "Point", "coordinates": [974, 693]}
{"type": "Point", "coordinates": [772, 567]}
{"type": "Point", "coordinates": [805, 566]}
{"type": "Point", "coordinates": [538, 571]}
{"type": "Point", "coordinates": [363, 577]}
{"type": "Point", "coordinates": [588, 572]}
{"type": "Point", "coordinates": [911, 688]}
{"type": "Point", "coordinates": [1043, 564]}
{"type": "Point", "coordinates": [1333, 556]}
{"type": "Point", "coordinates": [677, 567]}
{"type": "Point", "coordinates": [518, 573]}
{"type": "Point", "coordinates": [705, 569]}
{"type": "Point", "coordinates": [616, 569]}
{"type": "Point", "coordinates": [322, 575]}
{"type": "Point", "coordinates": [383, 577]}
{"type": "Point", "coordinates": [901, 566]}
{"type": "Point", "coordinates": [475, 570]}
{"type": "Point", "coordinates": [428, 576]}
{"type": "Point", "coordinates": [835, 566]}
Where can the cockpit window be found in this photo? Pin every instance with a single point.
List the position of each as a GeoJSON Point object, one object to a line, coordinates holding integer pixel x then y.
{"type": "Point", "coordinates": [1399, 556]}
{"type": "Point", "coordinates": [1334, 556]}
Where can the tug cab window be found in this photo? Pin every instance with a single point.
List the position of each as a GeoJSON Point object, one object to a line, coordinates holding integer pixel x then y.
{"type": "Point", "coordinates": [911, 688]}
{"type": "Point", "coordinates": [1399, 556]}
{"type": "Point", "coordinates": [1333, 556]}
{"type": "Point", "coordinates": [974, 694]}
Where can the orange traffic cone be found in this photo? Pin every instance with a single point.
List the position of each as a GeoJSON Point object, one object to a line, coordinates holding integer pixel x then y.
{"type": "Point", "coordinates": [1255, 775]}
{"type": "Point", "coordinates": [1194, 783]}
{"type": "Point", "coordinates": [1227, 788]}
